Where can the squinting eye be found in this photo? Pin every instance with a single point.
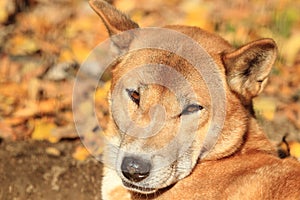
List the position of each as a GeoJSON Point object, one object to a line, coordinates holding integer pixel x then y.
{"type": "Point", "coordinates": [134, 96]}
{"type": "Point", "coordinates": [191, 109]}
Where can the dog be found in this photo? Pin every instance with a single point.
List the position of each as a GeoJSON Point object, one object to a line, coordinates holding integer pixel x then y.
{"type": "Point", "coordinates": [240, 163]}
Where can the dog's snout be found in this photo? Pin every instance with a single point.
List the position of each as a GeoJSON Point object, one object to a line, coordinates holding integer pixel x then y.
{"type": "Point", "coordinates": [135, 169]}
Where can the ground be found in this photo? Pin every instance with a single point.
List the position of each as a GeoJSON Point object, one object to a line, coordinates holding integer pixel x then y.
{"type": "Point", "coordinates": [29, 172]}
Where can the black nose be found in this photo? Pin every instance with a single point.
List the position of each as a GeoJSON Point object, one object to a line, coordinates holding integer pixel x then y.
{"type": "Point", "coordinates": [135, 169]}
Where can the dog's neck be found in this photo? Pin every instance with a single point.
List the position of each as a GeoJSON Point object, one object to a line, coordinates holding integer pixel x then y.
{"type": "Point", "coordinates": [243, 137]}
{"type": "Point", "coordinates": [255, 140]}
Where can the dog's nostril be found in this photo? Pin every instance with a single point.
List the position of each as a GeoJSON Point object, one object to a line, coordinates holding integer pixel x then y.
{"type": "Point", "coordinates": [135, 169]}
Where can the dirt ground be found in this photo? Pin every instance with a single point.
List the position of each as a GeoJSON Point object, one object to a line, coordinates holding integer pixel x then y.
{"type": "Point", "coordinates": [28, 172]}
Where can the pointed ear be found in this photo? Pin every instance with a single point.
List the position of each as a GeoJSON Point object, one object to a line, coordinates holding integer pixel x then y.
{"type": "Point", "coordinates": [115, 21]}
{"type": "Point", "coordinates": [248, 68]}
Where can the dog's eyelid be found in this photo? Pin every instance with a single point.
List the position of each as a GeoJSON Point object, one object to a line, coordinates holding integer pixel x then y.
{"type": "Point", "coordinates": [191, 109]}
{"type": "Point", "coordinates": [134, 95]}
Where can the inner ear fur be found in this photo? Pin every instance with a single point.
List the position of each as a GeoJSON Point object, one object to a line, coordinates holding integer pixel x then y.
{"type": "Point", "coordinates": [248, 67]}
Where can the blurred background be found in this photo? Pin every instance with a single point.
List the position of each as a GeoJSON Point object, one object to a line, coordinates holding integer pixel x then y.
{"type": "Point", "coordinates": [43, 43]}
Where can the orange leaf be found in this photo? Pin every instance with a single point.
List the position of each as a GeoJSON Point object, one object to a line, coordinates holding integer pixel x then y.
{"type": "Point", "coordinates": [43, 131]}
{"type": "Point", "coordinates": [265, 107]}
{"type": "Point", "coordinates": [81, 153]}
{"type": "Point", "coordinates": [295, 149]}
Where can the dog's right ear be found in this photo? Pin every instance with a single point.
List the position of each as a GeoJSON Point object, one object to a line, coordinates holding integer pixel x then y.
{"type": "Point", "coordinates": [248, 68]}
{"type": "Point", "coordinates": [115, 21]}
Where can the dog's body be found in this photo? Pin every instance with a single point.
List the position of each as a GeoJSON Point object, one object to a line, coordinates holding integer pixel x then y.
{"type": "Point", "coordinates": [243, 164]}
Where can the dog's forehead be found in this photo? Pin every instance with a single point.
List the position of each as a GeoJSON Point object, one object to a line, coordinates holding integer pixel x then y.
{"type": "Point", "coordinates": [160, 64]}
{"type": "Point", "coordinates": [153, 66]}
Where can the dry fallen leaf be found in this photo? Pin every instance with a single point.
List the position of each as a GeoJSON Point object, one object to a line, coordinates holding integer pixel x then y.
{"type": "Point", "coordinates": [66, 55]}
{"type": "Point", "coordinates": [102, 92]}
{"type": "Point", "coordinates": [14, 121]}
{"type": "Point", "coordinates": [295, 149]}
{"type": "Point", "coordinates": [81, 153]}
{"type": "Point", "coordinates": [101, 103]}
{"type": "Point", "coordinates": [14, 90]}
{"type": "Point", "coordinates": [43, 131]}
{"type": "Point", "coordinates": [6, 131]}
{"type": "Point", "coordinates": [66, 132]}
{"type": "Point", "coordinates": [80, 50]}
{"type": "Point", "coordinates": [7, 8]}
{"type": "Point", "coordinates": [53, 151]}
{"type": "Point", "coordinates": [265, 107]}
{"type": "Point", "coordinates": [20, 45]}
{"type": "Point", "coordinates": [9, 70]}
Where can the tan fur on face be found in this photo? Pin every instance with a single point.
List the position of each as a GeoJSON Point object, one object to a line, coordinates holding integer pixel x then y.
{"type": "Point", "coordinates": [243, 164]}
{"type": "Point", "coordinates": [154, 94]}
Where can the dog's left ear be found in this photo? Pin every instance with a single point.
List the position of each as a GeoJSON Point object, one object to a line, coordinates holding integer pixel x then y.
{"type": "Point", "coordinates": [115, 21]}
{"type": "Point", "coordinates": [248, 68]}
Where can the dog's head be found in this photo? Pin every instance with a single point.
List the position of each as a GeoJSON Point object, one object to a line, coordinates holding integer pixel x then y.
{"type": "Point", "coordinates": [163, 107]}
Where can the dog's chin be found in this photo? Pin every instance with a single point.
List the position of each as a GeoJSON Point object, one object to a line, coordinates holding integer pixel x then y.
{"type": "Point", "coordinates": [138, 189]}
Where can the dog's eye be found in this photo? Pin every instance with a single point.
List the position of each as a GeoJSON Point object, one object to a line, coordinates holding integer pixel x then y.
{"type": "Point", "coordinates": [191, 109]}
{"type": "Point", "coordinates": [134, 96]}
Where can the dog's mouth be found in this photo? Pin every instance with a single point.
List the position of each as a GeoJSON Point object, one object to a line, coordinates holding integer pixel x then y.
{"type": "Point", "coordinates": [152, 190]}
{"type": "Point", "coordinates": [138, 189]}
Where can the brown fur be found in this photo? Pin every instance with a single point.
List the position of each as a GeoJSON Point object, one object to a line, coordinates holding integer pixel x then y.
{"type": "Point", "coordinates": [242, 165]}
